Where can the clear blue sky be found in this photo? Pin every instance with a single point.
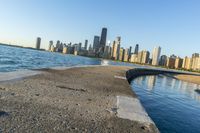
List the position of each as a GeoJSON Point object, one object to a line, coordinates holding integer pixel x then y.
{"type": "Point", "coordinates": [172, 24]}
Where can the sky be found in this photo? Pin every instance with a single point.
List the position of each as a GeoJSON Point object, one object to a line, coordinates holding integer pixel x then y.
{"type": "Point", "coordinates": [172, 24]}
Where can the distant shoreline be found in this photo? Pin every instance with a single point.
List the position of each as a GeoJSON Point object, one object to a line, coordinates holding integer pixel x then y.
{"type": "Point", "coordinates": [142, 65]}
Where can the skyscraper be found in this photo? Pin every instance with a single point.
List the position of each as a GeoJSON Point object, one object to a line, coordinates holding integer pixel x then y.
{"type": "Point", "coordinates": [136, 49]}
{"type": "Point", "coordinates": [156, 55]}
{"type": "Point", "coordinates": [103, 39]}
{"type": "Point", "coordinates": [195, 55]}
{"type": "Point", "coordinates": [50, 45]}
{"type": "Point", "coordinates": [96, 43]}
{"type": "Point", "coordinates": [116, 48]}
{"type": "Point", "coordinates": [38, 42]}
{"type": "Point", "coordinates": [163, 60]}
{"type": "Point", "coordinates": [129, 54]}
{"type": "Point", "coordinates": [86, 44]}
{"type": "Point", "coordinates": [145, 56]}
{"type": "Point", "coordinates": [118, 42]}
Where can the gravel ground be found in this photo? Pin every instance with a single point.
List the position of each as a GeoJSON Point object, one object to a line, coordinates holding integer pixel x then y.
{"type": "Point", "coordinates": [73, 100]}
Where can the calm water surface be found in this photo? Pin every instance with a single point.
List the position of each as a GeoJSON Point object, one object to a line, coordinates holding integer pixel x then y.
{"type": "Point", "coordinates": [173, 105]}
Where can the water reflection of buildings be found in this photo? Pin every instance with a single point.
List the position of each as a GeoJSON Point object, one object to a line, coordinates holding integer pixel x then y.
{"type": "Point", "coordinates": [164, 81]}
{"type": "Point", "coordinates": [140, 80]}
{"type": "Point", "coordinates": [187, 88]}
{"type": "Point", "coordinates": [151, 81]}
{"type": "Point", "coordinates": [175, 86]}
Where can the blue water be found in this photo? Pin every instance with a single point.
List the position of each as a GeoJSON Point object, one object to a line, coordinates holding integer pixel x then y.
{"type": "Point", "coordinates": [172, 104]}
{"type": "Point", "coordinates": [12, 59]}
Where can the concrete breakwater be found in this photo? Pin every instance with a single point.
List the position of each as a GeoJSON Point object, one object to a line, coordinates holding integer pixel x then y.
{"type": "Point", "coordinates": [134, 73]}
{"type": "Point", "coordinates": [89, 99]}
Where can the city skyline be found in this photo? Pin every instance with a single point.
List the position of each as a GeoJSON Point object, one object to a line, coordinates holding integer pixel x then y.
{"type": "Point", "coordinates": [119, 53]}
{"type": "Point", "coordinates": [148, 24]}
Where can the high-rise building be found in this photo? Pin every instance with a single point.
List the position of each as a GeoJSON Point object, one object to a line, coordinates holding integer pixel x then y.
{"type": "Point", "coordinates": [90, 48]}
{"type": "Point", "coordinates": [114, 51]}
{"type": "Point", "coordinates": [53, 49]}
{"type": "Point", "coordinates": [103, 39]}
{"type": "Point", "coordinates": [118, 42]}
{"type": "Point", "coordinates": [125, 55]}
{"type": "Point", "coordinates": [107, 52]}
{"type": "Point", "coordinates": [196, 63]}
{"type": "Point", "coordinates": [79, 46]}
{"type": "Point", "coordinates": [121, 54]}
{"type": "Point", "coordinates": [116, 48]}
{"type": "Point", "coordinates": [178, 63]}
{"type": "Point", "coordinates": [145, 56]}
{"type": "Point", "coordinates": [136, 49]}
{"type": "Point", "coordinates": [57, 44]}
{"type": "Point", "coordinates": [129, 54]}
{"type": "Point", "coordinates": [170, 62]}
{"type": "Point", "coordinates": [140, 54]}
{"type": "Point", "coordinates": [96, 43]}
{"type": "Point", "coordinates": [65, 50]}
{"type": "Point", "coordinates": [195, 55]}
{"type": "Point", "coordinates": [86, 44]}
{"type": "Point", "coordinates": [134, 58]}
{"type": "Point", "coordinates": [50, 45]}
{"type": "Point", "coordinates": [163, 60]}
{"type": "Point", "coordinates": [156, 55]}
{"type": "Point", "coordinates": [38, 42]}
{"type": "Point", "coordinates": [187, 63]}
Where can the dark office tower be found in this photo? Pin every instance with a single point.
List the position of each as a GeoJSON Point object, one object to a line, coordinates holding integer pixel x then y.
{"type": "Point", "coordinates": [96, 43]}
{"type": "Point", "coordinates": [86, 44]}
{"type": "Point", "coordinates": [129, 53]}
{"type": "Point", "coordinates": [38, 42]}
{"type": "Point", "coordinates": [103, 39]}
{"type": "Point", "coordinates": [136, 49]}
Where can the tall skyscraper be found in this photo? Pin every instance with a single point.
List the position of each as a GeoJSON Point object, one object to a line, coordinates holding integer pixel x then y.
{"type": "Point", "coordinates": [86, 44]}
{"type": "Point", "coordinates": [103, 39]}
{"type": "Point", "coordinates": [130, 52]}
{"type": "Point", "coordinates": [38, 42]}
{"type": "Point", "coordinates": [178, 62]}
{"type": "Point", "coordinates": [118, 42]}
{"type": "Point", "coordinates": [116, 48]}
{"type": "Point", "coordinates": [50, 45]}
{"type": "Point", "coordinates": [96, 43]}
{"type": "Point", "coordinates": [163, 60]}
{"type": "Point", "coordinates": [145, 56]}
{"type": "Point", "coordinates": [156, 55]}
{"type": "Point", "coordinates": [136, 49]}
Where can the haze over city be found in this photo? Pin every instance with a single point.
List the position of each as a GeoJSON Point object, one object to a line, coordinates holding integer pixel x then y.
{"type": "Point", "coordinates": [173, 25]}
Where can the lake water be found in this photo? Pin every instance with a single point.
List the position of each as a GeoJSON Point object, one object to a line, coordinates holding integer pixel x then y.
{"type": "Point", "coordinates": [172, 104]}
{"type": "Point", "coordinates": [12, 59]}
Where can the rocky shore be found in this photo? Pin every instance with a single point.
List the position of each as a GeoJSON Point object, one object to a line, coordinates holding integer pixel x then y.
{"type": "Point", "coordinates": [89, 99]}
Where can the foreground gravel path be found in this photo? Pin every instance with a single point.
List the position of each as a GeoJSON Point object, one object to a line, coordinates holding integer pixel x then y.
{"type": "Point", "coordinates": [73, 100]}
